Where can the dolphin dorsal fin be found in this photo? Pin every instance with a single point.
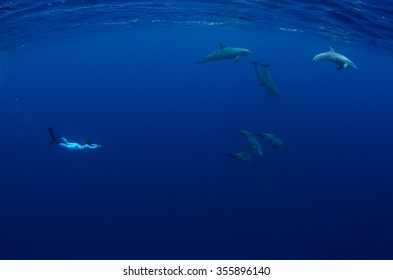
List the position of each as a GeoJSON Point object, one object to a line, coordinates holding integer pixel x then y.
{"type": "Point", "coordinates": [331, 49]}
{"type": "Point", "coordinates": [222, 46]}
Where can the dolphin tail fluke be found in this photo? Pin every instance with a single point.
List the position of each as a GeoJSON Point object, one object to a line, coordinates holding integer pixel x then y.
{"type": "Point", "coordinates": [233, 156]}
{"type": "Point", "coordinates": [230, 155]}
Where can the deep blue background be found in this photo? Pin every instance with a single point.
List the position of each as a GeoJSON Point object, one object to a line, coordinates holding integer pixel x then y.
{"type": "Point", "coordinates": [162, 186]}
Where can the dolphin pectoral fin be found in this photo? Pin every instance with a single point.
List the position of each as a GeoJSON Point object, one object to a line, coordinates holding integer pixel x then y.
{"type": "Point", "coordinates": [341, 67]}
{"type": "Point", "coordinates": [265, 65]}
{"type": "Point", "coordinates": [199, 62]}
{"type": "Point", "coordinates": [237, 59]}
{"type": "Point", "coordinates": [222, 46]}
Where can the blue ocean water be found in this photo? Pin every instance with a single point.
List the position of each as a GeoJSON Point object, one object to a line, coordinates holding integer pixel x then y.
{"type": "Point", "coordinates": [162, 186]}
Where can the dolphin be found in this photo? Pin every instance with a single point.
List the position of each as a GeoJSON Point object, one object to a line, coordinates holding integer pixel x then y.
{"type": "Point", "coordinates": [272, 139]}
{"type": "Point", "coordinates": [225, 52]}
{"type": "Point", "coordinates": [252, 140]}
{"type": "Point", "coordinates": [242, 156]}
{"type": "Point", "coordinates": [339, 59]}
{"type": "Point", "coordinates": [266, 81]}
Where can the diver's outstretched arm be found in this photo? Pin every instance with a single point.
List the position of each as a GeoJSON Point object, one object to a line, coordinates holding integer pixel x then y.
{"type": "Point", "coordinates": [92, 146]}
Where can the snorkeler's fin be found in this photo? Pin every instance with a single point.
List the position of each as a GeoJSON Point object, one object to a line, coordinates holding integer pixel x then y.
{"type": "Point", "coordinates": [54, 139]}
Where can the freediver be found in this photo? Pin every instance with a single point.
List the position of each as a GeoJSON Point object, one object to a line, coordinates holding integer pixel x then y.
{"type": "Point", "coordinates": [63, 142]}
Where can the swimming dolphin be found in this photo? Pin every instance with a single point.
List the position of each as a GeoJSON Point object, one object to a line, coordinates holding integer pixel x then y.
{"type": "Point", "coordinates": [226, 53]}
{"type": "Point", "coordinates": [272, 139]}
{"type": "Point", "coordinates": [266, 81]}
{"type": "Point", "coordinates": [242, 156]}
{"type": "Point", "coordinates": [252, 140]}
{"type": "Point", "coordinates": [339, 59]}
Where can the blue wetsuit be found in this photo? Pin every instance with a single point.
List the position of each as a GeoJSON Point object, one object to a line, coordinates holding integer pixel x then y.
{"type": "Point", "coordinates": [76, 146]}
